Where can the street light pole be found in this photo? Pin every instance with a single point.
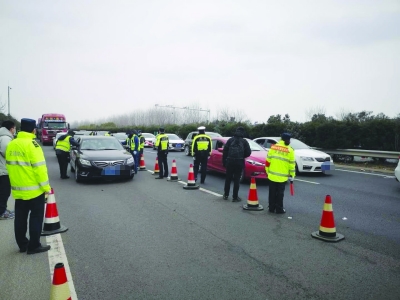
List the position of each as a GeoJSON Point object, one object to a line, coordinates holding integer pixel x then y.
{"type": "Point", "coordinates": [9, 88]}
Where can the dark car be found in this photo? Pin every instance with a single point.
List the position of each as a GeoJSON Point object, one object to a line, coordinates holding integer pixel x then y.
{"type": "Point", "coordinates": [190, 137]}
{"type": "Point", "coordinates": [101, 157]}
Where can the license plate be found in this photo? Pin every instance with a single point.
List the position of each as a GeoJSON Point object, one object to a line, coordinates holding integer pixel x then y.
{"type": "Point", "coordinates": [178, 146]}
{"type": "Point", "coordinates": [111, 171]}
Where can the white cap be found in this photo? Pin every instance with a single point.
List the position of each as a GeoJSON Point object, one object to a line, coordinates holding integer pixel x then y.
{"type": "Point", "coordinates": [201, 128]}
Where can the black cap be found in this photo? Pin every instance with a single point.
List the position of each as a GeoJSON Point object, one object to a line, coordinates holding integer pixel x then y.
{"type": "Point", "coordinates": [286, 136]}
{"type": "Point", "coordinates": [161, 129]}
{"type": "Point", "coordinates": [28, 125]}
{"type": "Point", "coordinates": [71, 132]}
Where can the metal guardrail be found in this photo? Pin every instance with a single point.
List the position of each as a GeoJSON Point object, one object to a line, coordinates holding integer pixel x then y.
{"type": "Point", "coordinates": [365, 153]}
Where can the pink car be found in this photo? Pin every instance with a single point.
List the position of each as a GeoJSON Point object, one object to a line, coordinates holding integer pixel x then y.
{"type": "Point", "coordinates": [254, 165]}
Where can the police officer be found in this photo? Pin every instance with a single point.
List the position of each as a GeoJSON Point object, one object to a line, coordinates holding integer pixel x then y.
{"type": "Point", "coordinates": [108, 133]}
{"type": "Point", "coordinates": [201, 151]}
{"type": "Point", "coordinates": [280, 166]}
{"type": "Point", "coordinates": [134, 142]}
{"type": "Point", "coordinates": [29, 183]}
{"type": "Point", "coordinates": [141, 142]}
{"type": "Point", "coordinates": [63, 147]}
{"type": "Point", "coordinates": [162, 144]}
{"type": "Point", "coordinates": [127, 143]}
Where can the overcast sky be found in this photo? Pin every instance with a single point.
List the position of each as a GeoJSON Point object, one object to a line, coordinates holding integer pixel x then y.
{"type": "Point", "coordinates": [94, 59]}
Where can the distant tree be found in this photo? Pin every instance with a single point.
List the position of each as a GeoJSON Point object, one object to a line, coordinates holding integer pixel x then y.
{"type": "Point", "coordinates": [108, 125]}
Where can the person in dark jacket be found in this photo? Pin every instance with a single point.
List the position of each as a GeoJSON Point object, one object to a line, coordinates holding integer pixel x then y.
{"type": "Point", "coordinates": [235, 151]}
{"type": "Point", "coordinates": [63, 147]}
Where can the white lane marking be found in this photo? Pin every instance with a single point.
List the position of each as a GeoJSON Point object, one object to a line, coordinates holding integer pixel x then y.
{"type": "Point", "coordinates": [306, 181]}
{"type": "Point", "coordinates": [391, 177]}
{"type": "Point", "coordinates": [210, 192]}
{"type": "Point", "coordinates": [57, 255]}
{"type": "Point", "coordinates": [381, 175]}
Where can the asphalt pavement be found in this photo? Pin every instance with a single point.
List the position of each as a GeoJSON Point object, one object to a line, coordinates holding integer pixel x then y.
{"type": "Point", "coordinates": [151, 239]}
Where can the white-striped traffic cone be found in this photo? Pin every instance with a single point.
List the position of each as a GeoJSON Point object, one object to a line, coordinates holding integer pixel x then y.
{"type": "Point", "coordinates": [60, 289]}
{"type": "Point", "coordinates": [52, 223]}
{"type": "Point", "coordinates": [191, 183]}
{"type": "Point", "coordinates": [174, 172]}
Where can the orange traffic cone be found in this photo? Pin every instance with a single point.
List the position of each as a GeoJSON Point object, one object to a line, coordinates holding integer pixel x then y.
{"type": "Point", "coordinates": [60, 289]}
{"type": "Point", "coordinates": [142, 166]}
{"type": "Point", "coordinates": [174, 172]}
{"type": "Point", "coordinates": [52, 221]}
{"type": "Point", "coordinates": [252, 199]}
{"type": "Point", "coordinates": [156, 168]}
{"type": "Point", "coordinates": [327, 230]}
{"type": "Point", "coordinates": [191, 184]}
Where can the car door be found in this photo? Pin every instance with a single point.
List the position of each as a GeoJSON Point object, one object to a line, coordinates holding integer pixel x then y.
{"type": "Point", "coordinates": [260, 142]}
{"type": "Point", "coordinates": [74, 152]}
{"type": "Point", "coordinates": [219, 146]}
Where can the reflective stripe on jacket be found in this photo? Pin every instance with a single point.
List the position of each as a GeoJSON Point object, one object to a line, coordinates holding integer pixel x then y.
{"type": "Point", "coordinates": [201, 142]}
{"type": "Point", "coordinates": [162, 142]}
{"type": "Point", "coordinates": [64, 145]}
{"type": "Point", "coordinates": [280, 163]}
{"type": "Point", "coordinates": [26, 167]}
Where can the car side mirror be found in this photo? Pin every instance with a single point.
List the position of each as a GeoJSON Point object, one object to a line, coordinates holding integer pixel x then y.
{"type": "Point", "coordinates": [220, 149]}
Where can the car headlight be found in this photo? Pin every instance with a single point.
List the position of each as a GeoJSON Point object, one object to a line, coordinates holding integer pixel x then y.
{"type": "Point", "coordinates": [84, 162]}
{"type": "Point", "coordinates": [306, 158]}
{"type": "Point", "coordinates": [130, 160]}
{"type": "Point", "coordinates": [254, 163]}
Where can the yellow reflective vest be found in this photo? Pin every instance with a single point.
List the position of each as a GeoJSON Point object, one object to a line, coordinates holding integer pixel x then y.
{"type": "Point", "coordinates": [280, 163]}
{"type": "Point", "coordinates": [64, 145]}
{"type": "Point", "coordinates": [201, 142]}
{"type": "Point", "coordinates": [141, 143]}
{"type": "Point", "coordinates": [162, 142]}
{"type": "Point", "coordinates": [26, 167]}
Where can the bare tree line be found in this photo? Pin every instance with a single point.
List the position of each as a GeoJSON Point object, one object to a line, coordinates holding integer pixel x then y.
{"type": "Point", "coordinates": [169, 115]}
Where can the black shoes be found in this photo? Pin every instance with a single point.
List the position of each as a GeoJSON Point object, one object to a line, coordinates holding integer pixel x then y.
{"type": "Point", "coordinates": [283, 211]}
{"type": "Point", "coordinates": [225, 197]}
{"type": "Point", "coordinates": [159, 177]}
{"type": "Point", "coordinates": [64, 177]}
{"type": "Point", "coordinates": [39, 249]}
{"type": "Point", "coordinates": [236, 199]}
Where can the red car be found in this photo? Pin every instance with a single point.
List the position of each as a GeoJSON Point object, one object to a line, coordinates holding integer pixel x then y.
{"type": "Point", "coordinates": [254, 165]}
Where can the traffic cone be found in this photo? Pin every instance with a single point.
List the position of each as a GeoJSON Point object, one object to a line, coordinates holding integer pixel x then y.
{"type": "Point", "coordinates": [327, 230]}
{"type": "Point", "coordinates": [52, 223]}
{"type": "Point", "coordinates": [174, 172]}
{"type": "Point", "coordinates": [191, 184]}
{"type": "Point", "coordinates": [252, 199]}
{"type": "Point", "coordinates": [142, 166]}
{"type": "Point", "coordinates": [156, 168]}
{"type": "Point", "coordinates": [60, 289]}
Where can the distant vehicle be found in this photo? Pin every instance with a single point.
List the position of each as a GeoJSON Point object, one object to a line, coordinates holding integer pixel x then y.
{"type": "Point", "coordinates": [48, 126]}
{"type": "Point", "coordinates": [254, 165]}
{"type": "Point", "coordinates": [307, 159]}
{"type": "Point", "coordinates": [190, 137]}
{"type": "Point", "coordinates": [175, 143]}
{"type": "Point", "coordinates": [150, 139]}
{"type": "Point", "coordinates": [101, 157]}
{"type": "Point", "coordinates": [397, 171]}
{"type": "Point", "coordinates": [121, 136]}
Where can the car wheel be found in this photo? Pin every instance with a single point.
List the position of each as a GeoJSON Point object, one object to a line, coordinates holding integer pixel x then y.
{"type": "Point", "coordinates": [187, 152]}
{"type": "Point", "coordinates": [77, 176]}
{"type": "Point", "coordinates": [71, 168]}
{"type": "Point", "coordinates": [131, 176]}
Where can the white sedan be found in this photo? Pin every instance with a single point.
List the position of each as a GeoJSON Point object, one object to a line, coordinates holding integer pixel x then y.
{"type": "Point", "coordinates": [307, 159]}
{"type": "Point", "coordinates": [397, 171]}
{"type": "Point", "coordinates": [175, 143]}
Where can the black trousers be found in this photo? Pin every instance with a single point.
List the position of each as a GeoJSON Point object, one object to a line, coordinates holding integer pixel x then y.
{"type": "Point", "coordinates": [275, 196]}
{"type": "Point", "coordinates": [163, 163]}
{"type": "Point", "coordinates": [5, 191]}
{"type": "Point", "coordinates": [22, 208]}
{"type": "Point", "coordinates": [234, 169]}
{"type": "Point", "coordinates": [203, 160]}
{"type": "Point", "coordinates": [63, 160]}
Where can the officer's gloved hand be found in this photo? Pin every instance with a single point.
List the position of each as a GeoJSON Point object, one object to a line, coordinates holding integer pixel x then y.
{"type": "Point", "coordinates": [291, 179]}
{"type": "Point", "coordinates": [194, 157]}
{"type": "Point", "coordinates": [135, 152]}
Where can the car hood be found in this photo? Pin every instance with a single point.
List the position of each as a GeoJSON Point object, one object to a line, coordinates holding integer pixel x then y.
{"type": "Point", "coordinates": [105, 154]}
{"type": "Point", "coordinates": [259, 156]}
{"type": "Point", "coordinates": [310, 153]}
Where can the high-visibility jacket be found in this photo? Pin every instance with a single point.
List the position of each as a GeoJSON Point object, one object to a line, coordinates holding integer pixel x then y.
{"type": "Point", "coordinates": [201, 144]}
{"type": "Point", "coordinates": [162, 142]}
{"type": "Point", "coordinates": [141, 143]}
{"type": "Point", "coordinates": [134, 143]}
{"type": "Point", "coordinates": [107, 134]}
{"type": "Point", "coordinates": [64, 144]}
{"type": "Point", "coordinates": [26, 167]}
{"type": "Point", "coordinates": [128, 143]}
{"type": "Point", "coordinates": [280, 163]}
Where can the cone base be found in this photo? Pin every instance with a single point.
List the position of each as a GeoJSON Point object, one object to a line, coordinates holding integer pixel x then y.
{"type": "Point", "coordinates": [255, 208]}
{"type": "Point", "coordinates": [60, 230]}
{"type": "Point", "coordinates": [191, 187]}
{"type": "Point", "coordinates": [335, 239]}
{"type": "Point", "coordinates": [173, 179]}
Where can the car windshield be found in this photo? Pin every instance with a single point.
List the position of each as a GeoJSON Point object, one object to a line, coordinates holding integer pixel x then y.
{"type": "Point", "coordinates": [213, 134]}
{"type": "Point", "coordinates": [148, 135]}
{"type": "Point", "coordinates": [101, 144]}
{"type": "Point", "coordinates": [173, 137]}
{"type": "Point", "coordinates": [55, 125]}
{"type": "Point", "coordinates": [297, 145]}
{"type": "Point", "coordinates": [254, 146]}
{"type": "Point", "coordinates": [120, 136]}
